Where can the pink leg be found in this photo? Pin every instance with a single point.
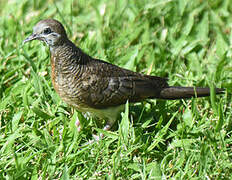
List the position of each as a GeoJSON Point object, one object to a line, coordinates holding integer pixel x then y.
{"type": "Point", "coordinates": [106, 128]}
{"type": "Point", "coordinates": [78, 124]}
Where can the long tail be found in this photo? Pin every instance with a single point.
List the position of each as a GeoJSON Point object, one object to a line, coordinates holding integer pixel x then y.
{"type": "Point", "coordinates": [175, 92]}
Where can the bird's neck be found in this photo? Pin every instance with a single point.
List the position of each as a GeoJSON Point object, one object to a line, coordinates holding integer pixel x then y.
{"type": "Point", "coordinates": [67, 53]}
{"type": "Point", "coordinates": [66, 60]}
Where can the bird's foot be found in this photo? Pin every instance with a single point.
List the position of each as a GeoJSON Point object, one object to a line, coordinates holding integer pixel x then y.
{"type": "Point", "coordinates": [101, 136]}
{"type": "Point", "coordinates": [78, 124]}
{"type": "Point", "coordinates": [98, 138]}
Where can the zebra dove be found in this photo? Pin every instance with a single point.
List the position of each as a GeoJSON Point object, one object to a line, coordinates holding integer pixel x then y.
{"type": "Point", "coordinates": [92, 85]}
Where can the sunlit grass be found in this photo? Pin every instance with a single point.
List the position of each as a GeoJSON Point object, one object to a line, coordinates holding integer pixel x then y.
{"type": "Point", "coordinates": [187, 41]}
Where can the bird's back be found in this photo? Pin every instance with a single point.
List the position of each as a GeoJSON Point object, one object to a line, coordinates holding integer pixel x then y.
{"type": "Point", "coordinates": [87, 82]}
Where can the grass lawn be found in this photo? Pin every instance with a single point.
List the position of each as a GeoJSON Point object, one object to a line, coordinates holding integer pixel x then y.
{"type": "Point", "coordinates": [187, 41]}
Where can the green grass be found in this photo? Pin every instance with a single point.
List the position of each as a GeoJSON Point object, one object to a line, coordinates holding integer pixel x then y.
{"type": "Point", "coordinates": [187, 41]}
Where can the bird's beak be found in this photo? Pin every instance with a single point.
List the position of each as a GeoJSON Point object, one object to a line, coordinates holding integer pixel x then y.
{"type": "Point", "coordinates": [31, 38]}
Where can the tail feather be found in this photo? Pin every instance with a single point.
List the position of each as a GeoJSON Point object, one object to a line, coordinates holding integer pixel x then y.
{"type": "Point", "coordinates": [175, 92]}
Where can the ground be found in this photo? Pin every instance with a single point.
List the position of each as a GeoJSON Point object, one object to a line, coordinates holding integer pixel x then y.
{"type": "Point", "coordinates": [187, 41]}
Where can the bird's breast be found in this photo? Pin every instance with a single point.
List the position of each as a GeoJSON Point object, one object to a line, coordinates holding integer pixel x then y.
{"type": "Point", "coordinates": [54, 74]}
{"type": "Point", "coordinates": [68, 82]}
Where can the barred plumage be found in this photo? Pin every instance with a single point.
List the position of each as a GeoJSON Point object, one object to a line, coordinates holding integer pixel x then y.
{"type": "Point", "coordinates": [96, 86]}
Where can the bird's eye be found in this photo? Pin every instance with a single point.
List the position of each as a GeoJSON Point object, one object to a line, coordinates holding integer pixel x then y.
{"type": "Point", "coordinates": [47, 31]}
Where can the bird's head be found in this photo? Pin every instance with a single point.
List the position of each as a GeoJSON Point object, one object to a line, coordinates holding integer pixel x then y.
{"type": "Point", "coordinates": [49, 31]}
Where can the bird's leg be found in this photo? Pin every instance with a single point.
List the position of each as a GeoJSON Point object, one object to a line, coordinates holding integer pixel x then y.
{"type": "Point", "coordinates": [78, 124]}
{"type": "Point", "coordinates": [111, 115]}
{"type": "Point", "coordinates": [107, 127]}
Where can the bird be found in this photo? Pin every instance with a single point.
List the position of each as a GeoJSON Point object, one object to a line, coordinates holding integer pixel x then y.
{"type": "Point", "coordinates": [95, 86]}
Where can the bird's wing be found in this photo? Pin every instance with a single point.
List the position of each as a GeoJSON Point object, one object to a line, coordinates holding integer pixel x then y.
{"type": "Point", "coordinates": [109, 85]}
